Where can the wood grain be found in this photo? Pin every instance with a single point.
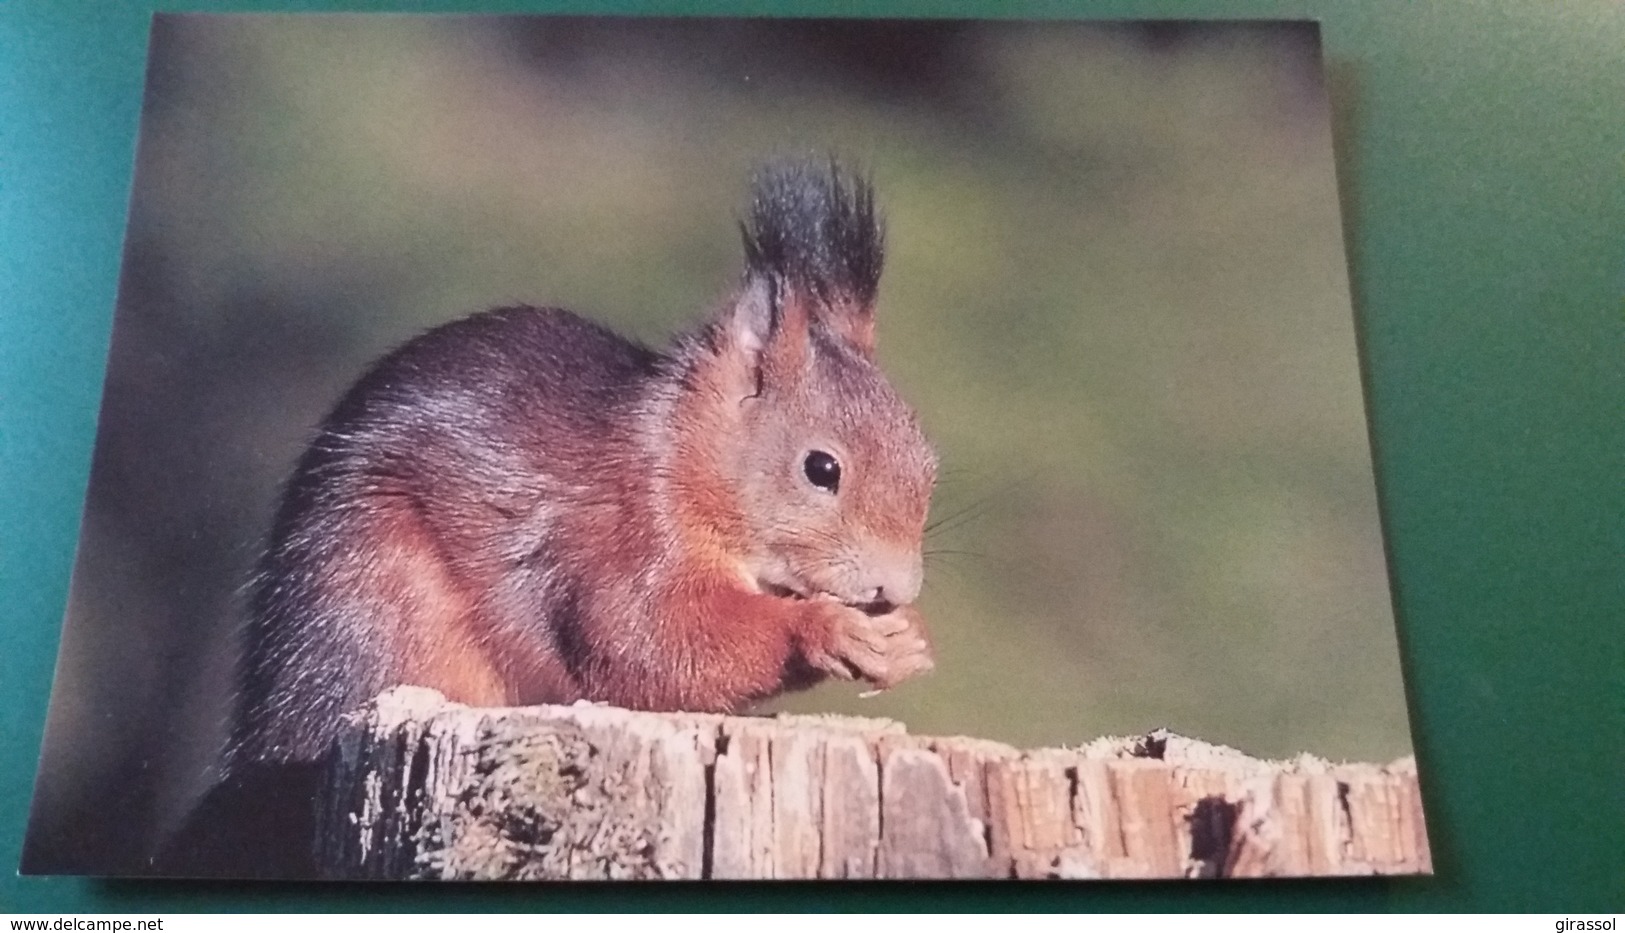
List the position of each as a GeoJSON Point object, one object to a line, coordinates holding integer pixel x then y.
{"type": "Point", "coordinates": [419, 787]}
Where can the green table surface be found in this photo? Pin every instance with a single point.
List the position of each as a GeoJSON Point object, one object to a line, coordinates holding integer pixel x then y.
{"type": "Point", "coordinates": [1482, 162]}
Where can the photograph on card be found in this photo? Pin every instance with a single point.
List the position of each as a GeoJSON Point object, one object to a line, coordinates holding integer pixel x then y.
{"type": "Point", "coordinates": [627, 448]}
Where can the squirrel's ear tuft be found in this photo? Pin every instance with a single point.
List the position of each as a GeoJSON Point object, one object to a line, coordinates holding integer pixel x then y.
{"type": "Point", "coordinates": [813, 226]}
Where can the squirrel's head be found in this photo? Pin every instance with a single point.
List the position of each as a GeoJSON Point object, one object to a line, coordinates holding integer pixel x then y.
{"type": "Point", "coordinates": [829, 472]}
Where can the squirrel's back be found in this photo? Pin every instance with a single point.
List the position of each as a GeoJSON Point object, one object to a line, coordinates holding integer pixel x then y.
{"type": "Point", "coordinates": [442, 470]}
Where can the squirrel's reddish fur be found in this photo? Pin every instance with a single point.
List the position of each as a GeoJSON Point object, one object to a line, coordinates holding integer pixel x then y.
{"type": "Point", "coordinates": [522, 507]}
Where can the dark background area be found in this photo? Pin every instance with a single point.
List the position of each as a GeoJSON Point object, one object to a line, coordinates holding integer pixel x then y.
{"type": "Point", "coordinates": [1480, 160]}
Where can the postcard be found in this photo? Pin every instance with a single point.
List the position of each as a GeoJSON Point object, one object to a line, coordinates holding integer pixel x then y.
{"type": "Point", "coordinates": [594, 448]}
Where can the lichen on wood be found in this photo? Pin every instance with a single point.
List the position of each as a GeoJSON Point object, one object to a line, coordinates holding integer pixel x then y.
{"type": "Point", "coordinates": [419, 787]}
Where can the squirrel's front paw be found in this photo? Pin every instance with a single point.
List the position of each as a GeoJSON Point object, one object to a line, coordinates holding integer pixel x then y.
{"type": "Point", "coordinates": [885, 650]}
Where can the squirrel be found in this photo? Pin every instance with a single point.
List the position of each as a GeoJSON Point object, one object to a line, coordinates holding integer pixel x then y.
{"type": "Point", "coordinates": [523, 507]}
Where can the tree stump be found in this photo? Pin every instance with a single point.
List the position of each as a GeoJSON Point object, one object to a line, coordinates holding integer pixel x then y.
{"type": "Point", "coordinates": [419, 787]}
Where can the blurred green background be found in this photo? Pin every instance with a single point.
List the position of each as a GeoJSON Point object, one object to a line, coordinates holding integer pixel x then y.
{"type": "Point", "coordinates": [1116, 291]}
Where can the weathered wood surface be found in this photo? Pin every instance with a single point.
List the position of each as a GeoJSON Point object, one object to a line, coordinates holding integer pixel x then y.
{"type": "Point", "coordinates": [423, 788]}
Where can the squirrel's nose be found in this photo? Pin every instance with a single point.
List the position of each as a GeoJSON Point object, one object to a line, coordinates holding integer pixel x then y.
{"type": "Point", "coordinates": [896, 578]}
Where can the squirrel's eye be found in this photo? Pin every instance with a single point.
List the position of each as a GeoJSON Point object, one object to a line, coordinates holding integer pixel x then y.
{"type": "Point", "coordinates": [822, 470]}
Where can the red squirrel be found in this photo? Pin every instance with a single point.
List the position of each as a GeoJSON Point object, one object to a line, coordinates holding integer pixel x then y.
{"type": "Point", "coordinates": [523, 507]}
